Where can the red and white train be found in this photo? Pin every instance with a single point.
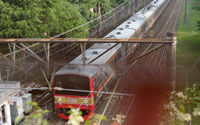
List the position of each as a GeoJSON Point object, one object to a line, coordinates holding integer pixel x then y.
{"type": "Point", "coordinates": [96, 75]}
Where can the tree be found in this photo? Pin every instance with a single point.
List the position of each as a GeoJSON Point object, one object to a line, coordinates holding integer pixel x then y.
{"type": "Point", "coordinates": [196, 5]}
{"type": "Point", "coordinates": [103, 6]}
{"type": "Point", "coordinates": [117, 2]}
{"type": "Point", "coordinates": [38, 18]}
{"type": "Point", "coordinates": [198, 24]}
{"type": "Point", "coordinates": [85, 7]}
{"type": "Point", "coordinates": [68, 18]}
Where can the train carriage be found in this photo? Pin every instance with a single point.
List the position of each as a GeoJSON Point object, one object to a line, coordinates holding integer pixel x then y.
{"type": "Point", "coordinates": [96, 74]}
{"type": "Point", "coordinates": [83, 77]}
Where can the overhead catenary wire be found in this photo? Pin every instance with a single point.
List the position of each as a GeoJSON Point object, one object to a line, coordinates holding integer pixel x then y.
{"type": "Point", "coordinates": [56, 36]}
{"type": "Point", "coordinates": [72, 90]}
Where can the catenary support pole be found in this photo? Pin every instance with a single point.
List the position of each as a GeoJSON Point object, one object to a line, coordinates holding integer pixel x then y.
{"type": "Point", "coordinates": [14, 56]}
{"type": "Point", "coordinates": [83, 48]}
{"type": "Point", "coordinates": [48, 58]}
{"type": "Point", "coordinates": [172, 60]}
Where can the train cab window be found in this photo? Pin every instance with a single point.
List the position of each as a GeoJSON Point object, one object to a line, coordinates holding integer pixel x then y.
{"type": "Point", "coordinates": [77, 82]}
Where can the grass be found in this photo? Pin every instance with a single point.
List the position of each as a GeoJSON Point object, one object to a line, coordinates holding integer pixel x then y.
{"type": "Point", "coordinates": [188, 48]}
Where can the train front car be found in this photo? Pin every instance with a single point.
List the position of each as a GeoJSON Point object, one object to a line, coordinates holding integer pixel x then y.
{"type": "Point", "coordinates": [65, 99]}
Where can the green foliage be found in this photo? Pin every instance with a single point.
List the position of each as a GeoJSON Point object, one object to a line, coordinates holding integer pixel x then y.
{"type": "Point", "coordinates": [188, 37]}
{"type": "Point", "coordinates": [198, 24]}
{"type": "Point", "coordinates": [95, 119]}
{"type": "Point", "coordinates": [38, 18]}
{"type": "Point", "coordinates": [176, 111]}
{"type": "Point", "coordinates": [188, 45]}
{"type": "Point", "coordinates": [117, 2]}
{"type": "Point", "coordinates": [105, 5]}
{"type": "Point", "coordinates": [46, 18]}
{"type": "Point", "coordinates": [18, 120]}
{"type": "Point", "coordinates": [196, 6]}
{"type": "Point", "coordinates": [84, 7]}
{"type": "Point", "coordinates": [37, 117]}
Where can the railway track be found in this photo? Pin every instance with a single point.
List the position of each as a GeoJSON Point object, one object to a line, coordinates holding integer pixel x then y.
{"type": "Point", "coordinates": [158, 58]}
{"type": "Point", "coordinates": [170, 26]}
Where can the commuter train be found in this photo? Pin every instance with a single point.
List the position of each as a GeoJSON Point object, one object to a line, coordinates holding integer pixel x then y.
{"type": "Point", "coordinates": [95, 76]}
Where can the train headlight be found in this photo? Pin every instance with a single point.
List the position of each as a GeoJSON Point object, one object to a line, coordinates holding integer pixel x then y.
{"type": "Point", "coordinates": [59, 100]}
{"type": "Point", "coordinates": [85, 101]}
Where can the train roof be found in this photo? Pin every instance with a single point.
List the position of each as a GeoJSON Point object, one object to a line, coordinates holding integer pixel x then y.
{"type": "Point", "coordinates": [90, 70]}
{"type": "Point", "coordinates": [79, 69]}
{"type": "Point", "coordinates": [125, 30]}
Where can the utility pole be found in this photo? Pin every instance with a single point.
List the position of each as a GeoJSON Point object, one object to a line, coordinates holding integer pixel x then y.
{"type": "Point", "coordinates": [48, 58]}
{"type": "Point", "coordinates": [172, 60]}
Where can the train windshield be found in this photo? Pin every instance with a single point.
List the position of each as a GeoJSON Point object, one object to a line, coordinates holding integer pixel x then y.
{"type": "Point", "coordinates": [72, 82]}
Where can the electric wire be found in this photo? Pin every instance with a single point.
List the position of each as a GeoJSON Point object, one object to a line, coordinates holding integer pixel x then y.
{"type": "Point", "coordinates": [72, 90]}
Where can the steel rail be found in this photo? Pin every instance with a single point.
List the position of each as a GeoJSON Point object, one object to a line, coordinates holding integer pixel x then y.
{"type": "Point", "coordinates": [160, 35]}
{"type": "Point", "coordinates": [108, 103]}
{"type": "Point", "coordinates": [162, 32]}
{"type": "Point", "coordinates": [160, 61]}
{"type": "Point", "coordinates": [148, 52]}
{"type": "Point", "coordinates": [130, 106]}
{"type": "Point", "coordinates": [179, 12]}
{"type": "Point", "coordinates": [151, 59]}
